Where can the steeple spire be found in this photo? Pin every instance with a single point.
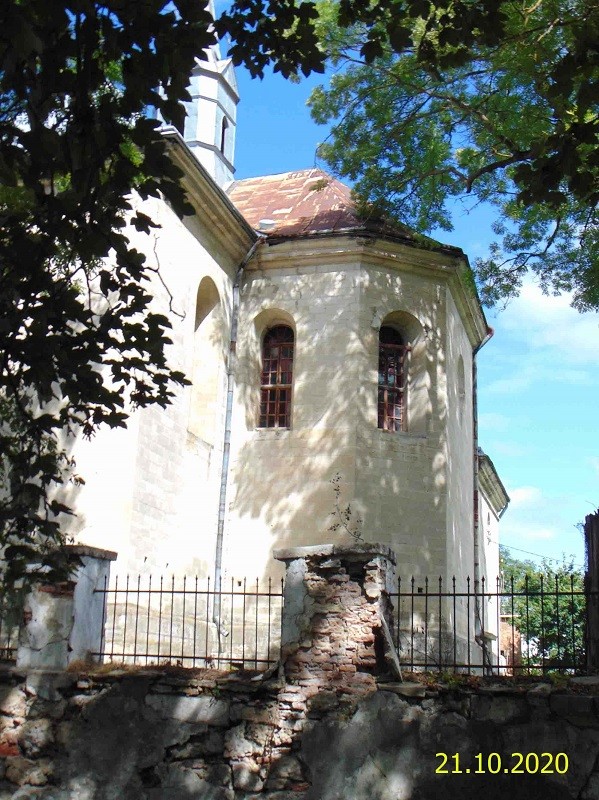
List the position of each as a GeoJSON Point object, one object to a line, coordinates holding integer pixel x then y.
{"type": "Point", "coordinates": [212, 113]}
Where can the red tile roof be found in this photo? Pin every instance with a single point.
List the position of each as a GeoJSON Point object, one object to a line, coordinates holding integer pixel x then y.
{"type": "Point", "coordinates": [301, 204]}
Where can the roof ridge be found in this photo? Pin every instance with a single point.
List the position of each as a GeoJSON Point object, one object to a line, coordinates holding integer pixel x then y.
{"type": "Point", "coordinates": [338, 188]}
{"type": "Point", "coordinates": [281, 175]}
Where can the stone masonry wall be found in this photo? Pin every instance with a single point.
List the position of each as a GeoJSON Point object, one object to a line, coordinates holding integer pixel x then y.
{"type": "Point", "coordinates": [334, 721]}
{"type": "Point", "coordinates": [158, 735]}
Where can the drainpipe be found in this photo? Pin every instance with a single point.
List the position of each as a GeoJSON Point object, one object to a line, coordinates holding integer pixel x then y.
{"type": "Point", "coordinates": [224, 475]}
{"type": "Point", "coordinates": [478, 634]}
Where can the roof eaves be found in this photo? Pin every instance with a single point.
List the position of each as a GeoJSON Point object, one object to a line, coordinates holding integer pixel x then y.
{"type": "Point", "coordinates": [211, 200]}
{"type": "Point", "coordinates": [369, 231]}
{"type": "Point", "coordinates": [491, 483]}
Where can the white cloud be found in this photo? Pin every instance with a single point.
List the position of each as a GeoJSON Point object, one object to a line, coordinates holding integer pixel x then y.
{"type": "Point", "coordinates": [525, 495]}
{"type": "Point", "coordinates": [550, 323]}
{"type": "Point", "coordinates": [542, 340]}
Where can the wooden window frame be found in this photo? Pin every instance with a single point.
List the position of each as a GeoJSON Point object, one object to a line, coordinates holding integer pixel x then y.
{"type": "Point", "coordinates": [276, 377]}
{"type": "Point", "coordinates": [392, 405]}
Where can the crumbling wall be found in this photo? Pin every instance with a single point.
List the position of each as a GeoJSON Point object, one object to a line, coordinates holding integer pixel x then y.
{"type": "Point", "coordinates": [337, 617]}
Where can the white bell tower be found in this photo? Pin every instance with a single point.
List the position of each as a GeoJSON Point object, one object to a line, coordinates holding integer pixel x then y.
{"type": "Point", "coordinates": [212, 113]}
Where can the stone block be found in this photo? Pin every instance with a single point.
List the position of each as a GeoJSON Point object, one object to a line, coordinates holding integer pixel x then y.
{"type": "Point", "coordinates": [369, 756]}
{"type": "Point", "coordinates": [246, 776]}
{"type": "Point", "coordinates": [445, 733]}
{"type": "Point", "coordinates": [259, 733]}
{"type": "Point", "coordinates": [91, 573]}
{"type": "Point", "coordinates": [284, 771]}
{"type": "Point", "coordinates": [577, 709]}
{"type": "Point", "coordinates": [36, 736]}
{"type": "Point", "coordinates": [39, 793]}
{"type": "Point", "coordinates": [585, 680]}
{"type": "Point", "coordinates": [24, 771]}
{"type": "Point", "coordinates": [404, 689]}
{"type": "Point", "coordinates": [500, 709]}
{"type": "Point", "coordinates": [591, 790]}
{"type": "Point", "coordinates": [284, 795]}
{"type": "Point", "coordinates": [44, 637]}
{"type": "Point", "coordinates": [203, 709]}
{"type": "Point", "coordinates": [43, 708]}
{"type": "Point", "coordinates": [13, 701]}
{"type": "Point", "coordinates": [65, 731]}
{"type": "Point", "coordinates": [47, 685]}
{"type": "Point", "coordinates": [219, 774]}
{"type": "Point", "coordinates": [9, 746]}
{"type": "Point", "coordinates": [237, 746]}
{"type": "Point", "coordinates": [268, 715]}
{"type": "Point", "coordinates": [183, 784]}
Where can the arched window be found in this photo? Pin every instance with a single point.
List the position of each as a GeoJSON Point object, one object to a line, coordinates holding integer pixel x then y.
{"type": "Point", "coordinates": [392, 380]}
{"type": "Point", "coordinates": [276, 378]}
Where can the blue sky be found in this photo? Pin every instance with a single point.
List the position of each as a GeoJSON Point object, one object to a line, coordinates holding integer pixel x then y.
{"type": "Point", "coordinates": [538, 376]}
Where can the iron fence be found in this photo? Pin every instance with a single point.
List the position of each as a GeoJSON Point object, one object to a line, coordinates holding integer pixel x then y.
{"type": "Point", "coordinates": [525, 627]}
{"type": "Point", "coordinates": [528, 626]}
{"type": "Point", "coordinates": [8, 643]}
{"type": "Point", "coordinates": [190, 623]}
{"type": "Point", "coordinates": [10, 613]}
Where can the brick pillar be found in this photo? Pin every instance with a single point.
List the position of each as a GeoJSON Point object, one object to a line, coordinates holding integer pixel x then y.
{"type": "Point", "coordinates": [337, 616]}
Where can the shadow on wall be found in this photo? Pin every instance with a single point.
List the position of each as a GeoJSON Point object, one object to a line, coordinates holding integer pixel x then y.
{"type": "Point", "coordinates": [394, 482]}
{"type": "Point", "coordinates": [132, 743]}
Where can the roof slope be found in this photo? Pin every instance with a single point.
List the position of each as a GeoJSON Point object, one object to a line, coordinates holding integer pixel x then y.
{"type": "Point", "coordinates": [309, 203]}
{"type": "Point", "coordinates": [304, 203]}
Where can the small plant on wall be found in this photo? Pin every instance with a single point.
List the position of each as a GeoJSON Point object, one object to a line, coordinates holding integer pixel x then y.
{"type": "Point", "coordinates": [344, 517]}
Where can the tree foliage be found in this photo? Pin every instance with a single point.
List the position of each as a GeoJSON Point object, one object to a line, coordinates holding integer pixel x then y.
{"type": "Point", "coordinates": [548, 610]}
{"type": "Point", "coordinates": [488, 101]}
{"type": "Point", "coordinates": [80, 345]}
{"type": "Point", "coordinates": [79, 341]}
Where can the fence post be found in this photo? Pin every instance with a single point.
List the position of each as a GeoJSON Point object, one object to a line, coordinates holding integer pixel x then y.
{"type": "Point", "coordinates": [337, 616]}
{"type": "Point", "coordinates": [90, 575]}
{"type": "Point", "coordinates": [62, 623]}
{"type": "Point", "coordinates": [46, 627]}
{"type": "Point", "coordinates": [591, 536]}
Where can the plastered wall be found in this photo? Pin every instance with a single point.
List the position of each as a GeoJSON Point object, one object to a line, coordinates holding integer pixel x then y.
{"type": "Point", "coordinates": [151, 490]}
{"type": "Point", "coordinates": [412, 490]}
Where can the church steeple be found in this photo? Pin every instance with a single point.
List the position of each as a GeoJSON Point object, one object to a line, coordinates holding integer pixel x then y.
{"type": "Point", "coordinates": [212, 114]}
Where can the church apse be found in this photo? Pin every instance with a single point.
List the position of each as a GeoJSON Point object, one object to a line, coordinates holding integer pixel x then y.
{"type": "Point", "coordinates": [394, 476]}
{"type": "Point", "coordinates": [318, 298]}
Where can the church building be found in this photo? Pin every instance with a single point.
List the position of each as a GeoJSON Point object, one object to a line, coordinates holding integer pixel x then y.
{"type": "Point", "coordinates": [333, 381]}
